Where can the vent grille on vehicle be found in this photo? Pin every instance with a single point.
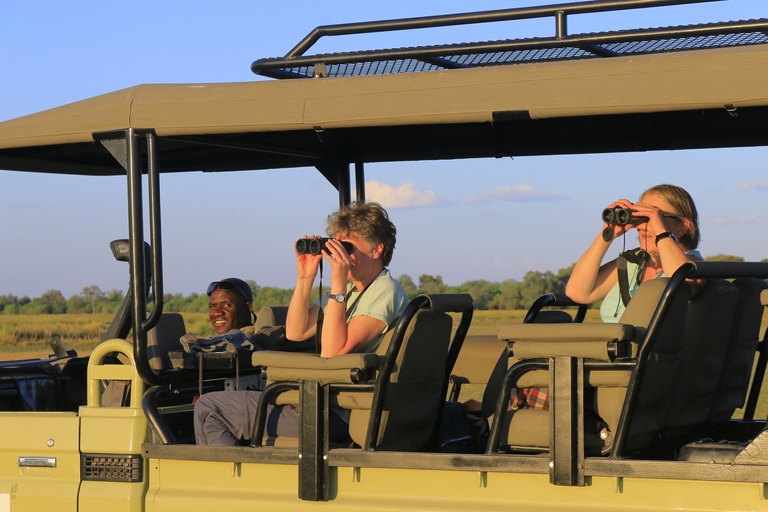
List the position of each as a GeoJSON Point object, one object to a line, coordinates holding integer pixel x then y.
{"type": "Point", "coordinates": [112, 468]}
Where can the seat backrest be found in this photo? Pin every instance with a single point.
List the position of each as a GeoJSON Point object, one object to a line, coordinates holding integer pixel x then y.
{"type": "Point", "coordinates": [705, 342]}
{"type": "Point", "coordinates": [652, 404]}
{"type": "Point", "coordinates": [269, 316]}
{"type": "Point", "coordinates": [412, 396]}
{"type": "Point", "coordinates": [740, 354]}
{"type": "Point", "coordinates": [163, 338]}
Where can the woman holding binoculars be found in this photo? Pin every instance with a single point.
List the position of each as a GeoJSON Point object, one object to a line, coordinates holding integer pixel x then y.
{"type": "Point", "coordinates": [668, 226]}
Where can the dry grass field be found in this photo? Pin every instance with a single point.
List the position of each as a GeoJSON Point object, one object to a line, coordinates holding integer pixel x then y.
{"type": "Point", "coordinates": [27, 336]}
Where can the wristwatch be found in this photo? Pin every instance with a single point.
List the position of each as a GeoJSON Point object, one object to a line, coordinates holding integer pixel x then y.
{"type": "Point", "coordinates": [339, 297]}
{"type": "Point", "coordinates": [666, 234]}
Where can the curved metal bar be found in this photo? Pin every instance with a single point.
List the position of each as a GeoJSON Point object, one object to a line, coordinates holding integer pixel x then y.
{"type": "Point", "coordinates": [555, 299]}
{"type": "Point", "coordinates": [502, 404]}
{"type": "Point", "coordinates": [149, 406]}
{"type": "Point", "coordinates": [557, 10]}
{"type": "Point", "coordinates": [138, 285]}
{"type": "Point", "coordinates": [153, 173]}
{"type": "Point", "coordinates": [728, 269]}
{"type": "Point", "coordinates": [276, 66]}
{"type": "Point", "coordinates": [260, 423]}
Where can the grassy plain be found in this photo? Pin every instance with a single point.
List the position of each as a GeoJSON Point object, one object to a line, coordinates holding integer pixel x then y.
{"type": "Point", "coordinates": [27, 336]}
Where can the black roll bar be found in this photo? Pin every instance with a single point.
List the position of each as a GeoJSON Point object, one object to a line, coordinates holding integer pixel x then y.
{"type": "Point", "coordinates": [558, 11]}
{"type": "Point", "coordinates": [435, 54]}
{"type": "Point", "coordinates": [125, 148]}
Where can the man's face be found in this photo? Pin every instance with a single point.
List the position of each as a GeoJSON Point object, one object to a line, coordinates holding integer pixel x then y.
{"type": "Point", "coordinates": [227, 311]}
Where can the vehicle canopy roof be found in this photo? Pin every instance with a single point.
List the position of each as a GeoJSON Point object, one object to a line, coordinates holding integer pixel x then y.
{"type": "Point", "coordinates": [683, 88]}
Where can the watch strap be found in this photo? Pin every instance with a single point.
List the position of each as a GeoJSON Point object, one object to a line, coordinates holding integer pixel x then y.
{"type": "Point", "coordinates": [666, 234]}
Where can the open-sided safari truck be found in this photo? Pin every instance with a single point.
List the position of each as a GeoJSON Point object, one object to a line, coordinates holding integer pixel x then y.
{"type": "Point", "coordinates": [665, 381]}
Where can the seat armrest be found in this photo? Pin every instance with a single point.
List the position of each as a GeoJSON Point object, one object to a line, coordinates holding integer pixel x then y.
{"type": "Point", "coordinates": [291, 366]}
{"type": "Point", "coordinates": [594, 341]}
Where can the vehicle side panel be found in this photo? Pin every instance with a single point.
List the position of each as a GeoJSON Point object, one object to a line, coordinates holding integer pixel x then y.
{"type": "Point", "coordinates": [182, 485]}
{"type": "Point", "coordinates": [40, 437]}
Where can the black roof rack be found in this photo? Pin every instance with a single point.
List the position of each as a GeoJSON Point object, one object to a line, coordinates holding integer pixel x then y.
{"type": "Point", "coordinates": [561, 46]}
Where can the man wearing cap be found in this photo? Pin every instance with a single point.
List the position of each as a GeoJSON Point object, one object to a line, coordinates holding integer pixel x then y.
{"type": "Point", "coordinates": [230, 305]}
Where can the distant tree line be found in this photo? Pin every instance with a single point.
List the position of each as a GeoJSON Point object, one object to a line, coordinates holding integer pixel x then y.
{"type": "Point", "coordinates": [508, 294]}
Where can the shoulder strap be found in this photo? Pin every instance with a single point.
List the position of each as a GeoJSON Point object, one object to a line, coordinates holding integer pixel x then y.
{"type": "Point", "coordinates": [639, 258]}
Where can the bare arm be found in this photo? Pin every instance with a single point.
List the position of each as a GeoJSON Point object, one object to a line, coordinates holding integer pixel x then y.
{"type": "Point", "coordinates": [301, 320]}
{"type": "Point", "coordinates": [590, 281]}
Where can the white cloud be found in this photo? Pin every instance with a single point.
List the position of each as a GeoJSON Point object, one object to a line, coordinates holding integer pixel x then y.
{"type": "Point", "coordinates": [743, 219]}
{"type": "Point", "coordinates": [518, 193]}
{"type": "Point", "coordinates": [759, 185]}
{"type": "Point", "coordinates": [405, 196]}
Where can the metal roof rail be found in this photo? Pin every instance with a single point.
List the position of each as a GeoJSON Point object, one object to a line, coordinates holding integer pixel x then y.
{"type": "Point", "coordinates": [460, 55]}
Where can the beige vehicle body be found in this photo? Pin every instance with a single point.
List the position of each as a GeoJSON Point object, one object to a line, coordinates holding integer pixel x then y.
{"type": "Point", "coordinates": [71, 450]}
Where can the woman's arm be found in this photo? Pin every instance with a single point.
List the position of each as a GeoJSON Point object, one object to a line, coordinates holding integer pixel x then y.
{"type": "Point", "coordinates": [590, 281]}
{"type": "Point", "coordinates": [301, 320]}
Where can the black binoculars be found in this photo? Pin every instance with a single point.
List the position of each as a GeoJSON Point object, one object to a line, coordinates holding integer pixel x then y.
{"type": "Point", "coordinates": [619, 216]}
{"type": "Point", "coordinates": [622, 216]}
{"type": "Point", "coordinates": [315, 246]}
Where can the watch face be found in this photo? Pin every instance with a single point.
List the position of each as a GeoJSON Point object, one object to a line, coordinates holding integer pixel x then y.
{"type": "Point", "coordinates": [340, 297]}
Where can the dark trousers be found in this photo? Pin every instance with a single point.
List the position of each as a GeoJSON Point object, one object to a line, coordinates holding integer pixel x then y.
{"type": "Point", "coordinates": [225, 418]}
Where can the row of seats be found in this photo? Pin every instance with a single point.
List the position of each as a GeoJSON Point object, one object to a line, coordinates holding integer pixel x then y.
{"type": "Point", "coordinates": [697, 371]}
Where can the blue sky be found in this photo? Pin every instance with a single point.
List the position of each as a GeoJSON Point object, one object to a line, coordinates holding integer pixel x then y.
{"type": "Point", "coordinates": [463, 220]}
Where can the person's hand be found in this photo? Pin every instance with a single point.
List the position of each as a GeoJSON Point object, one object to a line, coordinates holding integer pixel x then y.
{"type": "Point", "coordinates": [306, 264]}
{"type": "Point", "coordinates": [619, 229]}
{"type": "Point", "coordinates": [655, 224]}
{"type": "Point", "coordinates": [338, 257]}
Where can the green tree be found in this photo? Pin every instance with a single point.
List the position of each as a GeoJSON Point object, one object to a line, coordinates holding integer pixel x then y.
{"type": "Point", "coordinates": [509, 297]}
{"type": "Point", "coordinates": [410, 287]}
{"type": "Point", "coordinates": [76, 304]}
{"type": "Point", "coordinates": [92, 294]}
{"type": "Point", "coordinates": [52, 296]}
{"type": "Point", "coordinates": [483, 292]}
{"type": "Point", "coordinates": [430, 284]}
{"type": "Point", "coordinates": [8, 302]}
{"type": "Point", "coordinates": [253, 286]}
{"type": "Point", "coordinates": [723, 257]}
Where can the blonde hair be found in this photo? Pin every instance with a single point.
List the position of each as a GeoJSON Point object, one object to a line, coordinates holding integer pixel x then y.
{"type": "Point", "coordinates": [684, 207]}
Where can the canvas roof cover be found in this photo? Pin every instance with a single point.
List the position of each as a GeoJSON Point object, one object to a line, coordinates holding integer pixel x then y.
{"type": "Point", "coordinates": [684, 99]}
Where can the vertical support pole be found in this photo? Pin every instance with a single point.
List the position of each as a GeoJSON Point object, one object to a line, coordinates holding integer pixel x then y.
{"type": "Point", "coordinates": [137, 261]}
{"type": "Point", "coordinates": [136, 237]}
{"type": "Point", "coordinates": [561, 25]}
{"type": "Point", "coordinates": [345, 188]}
{"type": "Point", "coordinates": [359, 182]}
{"type": "Point", "coordinates": [313, 440]}
{"type": "Point", "coordinates": [155, 231]}
{"type": "Point", "coordinates": [566, 435]}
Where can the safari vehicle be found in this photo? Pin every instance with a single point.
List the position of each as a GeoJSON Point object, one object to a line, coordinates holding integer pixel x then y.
{"type": "Point", "coordinates": [667, 380]}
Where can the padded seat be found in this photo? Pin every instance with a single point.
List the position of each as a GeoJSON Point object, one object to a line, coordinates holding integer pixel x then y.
{"type": "Point", "coordinates": [650, 334]}
{"type": "Point", "coordinates": [708, 328]}
{"type": "Point", "coordinates": [739, 357]}
{"type": "Point", "coordinates": [400, 408]}
{"type": "Point", "coordinates": [270, 316]}
{"type": "Point", "coordinates": [164, 338]}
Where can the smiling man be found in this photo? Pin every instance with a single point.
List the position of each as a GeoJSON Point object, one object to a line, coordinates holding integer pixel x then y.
{"type": "Point", "coordinates": [230, 305]}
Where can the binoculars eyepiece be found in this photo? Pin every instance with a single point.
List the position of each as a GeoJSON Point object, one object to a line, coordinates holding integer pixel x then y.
{"type": "Point", "coordinates": [315, 246]}
{"type": "Point", "coordinates": [622, 216]}
{"type": "Point", "coordinates": [619, 216]}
